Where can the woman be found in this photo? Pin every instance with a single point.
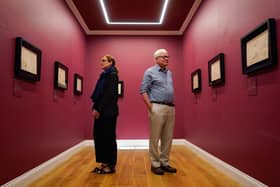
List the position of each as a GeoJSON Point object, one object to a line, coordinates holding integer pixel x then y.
{"type": "Point", "coordinates": [105, 112]}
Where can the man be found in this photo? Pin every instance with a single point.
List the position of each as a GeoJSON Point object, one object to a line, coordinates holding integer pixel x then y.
{"type": "Point", "coordinates": [157, 91]}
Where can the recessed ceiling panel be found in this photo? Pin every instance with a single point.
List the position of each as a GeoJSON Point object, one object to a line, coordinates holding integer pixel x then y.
{"type": "Point", "coordinates": [129, 10]}
{"type": "Point", "coordinates": [177, 16]}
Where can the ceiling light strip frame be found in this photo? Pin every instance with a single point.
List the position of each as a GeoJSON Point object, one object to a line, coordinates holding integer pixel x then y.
{"type": "Point", "coordinates": [107, 19]}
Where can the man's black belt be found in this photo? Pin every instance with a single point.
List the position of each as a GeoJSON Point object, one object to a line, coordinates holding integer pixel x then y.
{"type": "Point", "coordinates": [163, 103]}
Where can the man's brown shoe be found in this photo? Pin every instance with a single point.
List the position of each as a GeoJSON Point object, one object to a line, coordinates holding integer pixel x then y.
{"type": "Point", "coordinates": [157, 170]}
{"type": "Point", "coordinates": [169, 169]}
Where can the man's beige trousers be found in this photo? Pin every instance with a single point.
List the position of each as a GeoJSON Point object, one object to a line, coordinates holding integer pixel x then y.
{"type": "Point", "coordinates": [161, 128]}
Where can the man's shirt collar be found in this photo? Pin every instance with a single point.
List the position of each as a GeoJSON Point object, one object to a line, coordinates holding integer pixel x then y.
{"type": "Point", "coordinates": [161, 69]}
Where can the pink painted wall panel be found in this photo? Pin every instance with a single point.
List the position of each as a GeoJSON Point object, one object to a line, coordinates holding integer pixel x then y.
{"type": "Point", "coordinates": [33, 126]}
{"type": "Point", "coordinates": [240, 129]}
{"type": "Point", "coordinates": [134, 55]}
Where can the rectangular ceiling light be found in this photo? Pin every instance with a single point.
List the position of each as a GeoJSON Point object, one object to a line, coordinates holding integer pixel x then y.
{"type": "Point", "coordinates": [105, 14]}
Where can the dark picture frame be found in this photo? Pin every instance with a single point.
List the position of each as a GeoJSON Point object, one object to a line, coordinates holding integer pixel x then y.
{"type": "Point", "coordinates": [27, 60]}
{"type": "Point", "coordinates": [216, 70]}
{"type": "Point", "coordinates": [196, 81]}
{"type": "Point", "coordinates": [78, 84]}
{"type": "Point", "coordinates": [258, 48]}
{"type": "Point", "coordinates": [120, 89]}
{"type": "Point", "coordinates": [60, 76]}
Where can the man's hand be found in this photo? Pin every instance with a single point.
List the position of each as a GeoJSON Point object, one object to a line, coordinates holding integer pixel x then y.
{"type": "Point", "coordinates": [147, 101]}
{"type": "Point", "coordinates": [150, 107]}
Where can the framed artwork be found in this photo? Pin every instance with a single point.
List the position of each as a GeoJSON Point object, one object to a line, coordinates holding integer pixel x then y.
{"type": "Point", "coordinates": [60, 76]}
{"type": "Point", "coordinates": [27, 60]}
{"type": "Point", "coordinates": [196, 81]}
{"type": "Point", "coordinates": [216, 70]}
{"type": "Point", "coordinates": [258, 48]}
{"type": "Point", "coordinates": [120, 89]}
{"type": "Point", "coordinates": [78, 84]}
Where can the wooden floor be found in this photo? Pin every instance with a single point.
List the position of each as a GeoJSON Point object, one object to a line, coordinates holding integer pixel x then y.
{"type": "Point", "coordinates": [133, 170]}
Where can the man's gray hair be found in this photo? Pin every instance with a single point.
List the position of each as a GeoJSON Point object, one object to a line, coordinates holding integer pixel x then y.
{"type": "Point", "coordinates": [158, 52]}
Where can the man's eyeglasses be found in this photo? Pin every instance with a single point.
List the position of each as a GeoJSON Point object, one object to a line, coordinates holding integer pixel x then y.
{"type": "Point", "coordinates": [165, 57]}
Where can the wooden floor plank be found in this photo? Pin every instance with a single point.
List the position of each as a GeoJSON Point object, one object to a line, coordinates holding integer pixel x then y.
{"type": "Point", "coordinates": [133, 170]}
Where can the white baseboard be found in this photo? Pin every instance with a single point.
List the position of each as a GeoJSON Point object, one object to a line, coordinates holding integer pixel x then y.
{"type": "Point", "coordinates": [133, 144]}
{"type": "Point", "coordinates": [31, 175]}
{"type": "Point", "coordinates": [127, 144]}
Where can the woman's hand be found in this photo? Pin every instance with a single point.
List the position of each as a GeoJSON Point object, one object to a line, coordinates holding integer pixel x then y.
{"type": "Point", "coordinates": [95, 114]}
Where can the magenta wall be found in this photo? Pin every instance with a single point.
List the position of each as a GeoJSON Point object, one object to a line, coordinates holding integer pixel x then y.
{"type": "Point", "coordinates": [241, 130]}
{"type": "Point", "coordinates": [134, 55]}
{"type": "Point", "coordinates": [34, 127]}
